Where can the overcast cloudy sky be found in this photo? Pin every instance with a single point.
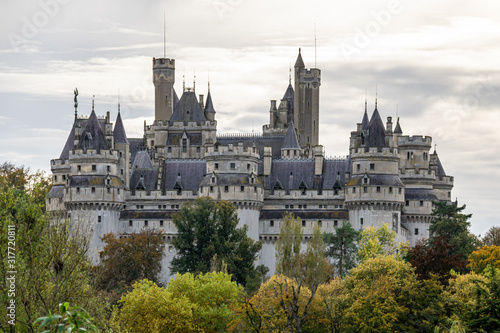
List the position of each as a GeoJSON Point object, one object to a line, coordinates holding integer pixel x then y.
{"type": "Point", "coordinates": [437, 62]}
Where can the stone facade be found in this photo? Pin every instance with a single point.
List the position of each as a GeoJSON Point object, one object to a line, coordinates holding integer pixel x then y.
{"type": "Point", "coordinates": [107, 182]}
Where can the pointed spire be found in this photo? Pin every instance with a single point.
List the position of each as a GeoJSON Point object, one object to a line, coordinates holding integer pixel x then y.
{"type": "Point", "coordinates": [291, 141]}
{"type": "Point", "coordinates": [290, 75]}
{"type": "Point", "coordinates": [299, 63]}
{"type": "Point", "coordinates": [93, 96]}
{"type": "Point", "coordinates": [376, 97]}
{"type": "Point", "coordinates": [209, 106]}
{"type": "Point", "coordinates": [365, 121]}
{"type": "Point", "coordinates": [119, 131]}
{"type": "Point", "coordinates": [183, 83]}
{"type": "Point", "coordinates": [397, 129]}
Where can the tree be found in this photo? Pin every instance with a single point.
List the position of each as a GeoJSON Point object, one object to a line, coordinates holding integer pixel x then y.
{"type": "Point", "coordinates": [342, 248]}
{"type": "Point", "coordinates": [51, 262]}
{"type": "Point", "coordinates": [483, 257]}
{"type": "Point", "coordinates": [307, 270]}
{"type": "Point", "coordinates": [208, 230]}
{"type": "Point", "coordinates": [70, 319]}
{"type": "Point", "coordinates": [435, 258]}
{"type": "Point", "coordinates": [127, 259]}
{"type": "Point", "coordinates": [449, 222]}
{"type": "Point", "coordinates": [485, 316]}
{"type": "Point", "coordinates": [189, 303]}
{"type": "Point", "coordinates": [492, 237]}
{"type": "Point", "coordinates": [376, 241]}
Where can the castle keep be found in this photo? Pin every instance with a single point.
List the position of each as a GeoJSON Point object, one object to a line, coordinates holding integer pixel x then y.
{"type": "Point", "coordinates": [106, 182]}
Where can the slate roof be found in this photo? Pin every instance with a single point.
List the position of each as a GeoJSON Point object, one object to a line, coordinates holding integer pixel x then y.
{"type": "Point", "coordinates": [420, 194]}
{"type": "Point", "coordinates": [119, 131]}
{"type": "Point", "coordinates": [398, 129]}
{"type": "Point", "coordinates": [365, 121]}
{"type": "Point", "coordinates": [176, 138]}
{"type": "Point", "coordinates": [289, 96]}
{"type": "Point", "coordinates": [377, 179]}
{"type": "Point", "coordinates": [57, 191]}
{"type": "Point", "coordinates": [176, 98]}
{"type": "Point", "coordinates": [441, 171]}
{"type": "Point", "coordinates": [275, 142]}
{"type": "Point", "coordinates": [187, 109]}
{"type": "Point", "coordinates": [299, 62]}
{"type": "Point", "coordinates": [142, 161]}
{"type": "Point", "coordinates": [94, 180]}
{"type": "Point", "coordinates": [209, 106]}
{"type": "Point", "coordinates": [376, 131]}
{"type": "Point", "coordinates": [93, 136]}
{"type": "Point", "coordinates": [306, 214]}
{"type": "Point", "coordinates": [136, 145]}
{"type": "Point", "coordinates": [69, 145]}
{"type": "Point", "coordinates": [291, 141]}
{"type": "Point", "coordinates": [147, 215]}
{"type": "Point", "coordinates": [230, 179]}
{"type": "Point", "coordinates": [189, 172]}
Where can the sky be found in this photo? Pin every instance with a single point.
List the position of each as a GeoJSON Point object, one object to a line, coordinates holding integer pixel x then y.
{"type": "Point", "coordinates": [435, 64]}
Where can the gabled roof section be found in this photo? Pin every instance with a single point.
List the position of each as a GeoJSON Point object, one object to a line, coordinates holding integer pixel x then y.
{"type": "Point", "coordinates": [187, 109]}
{"type": "Point", "coordinates": [397, 129]}
{"type": "Point", "coordinates": [142, 161]}
{"type": "Point", "coordinates": [291, 141]}
{"type": "Point", "coordinates": [93, 136]}
{"type": "Point", "coordinates": [299, 63]}
{"type": "Point", "coordinates": [376, 131]}
{"type": "Point", "coordinates": [119, 132]}
{"type": "Point", "coordinates": [209, 107]}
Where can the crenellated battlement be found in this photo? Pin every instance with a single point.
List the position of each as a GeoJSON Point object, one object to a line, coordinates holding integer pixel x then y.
{"type": "Point", "coordinates": [163, 63]}
{"type": "Point", "coordinates": [415, 173]}
{"type": "Point", "coordinates": [59, 165]}
{"type": "Point", "coordinates": [105, 156]}
{"type": "Point", "coordinates": [373, 151]}
{"type": "Point", "coordinates": [414, 140]}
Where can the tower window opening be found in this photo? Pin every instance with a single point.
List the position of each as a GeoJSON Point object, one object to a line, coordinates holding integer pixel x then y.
{"type": "Point", "coordinates": [108, 168]}
{"type": "Point", "coordinates": [242, 188]}
{"type": "Point", "coordinates": [226, 188]}
{"type": "Point", "coordinates": [99, 219]}
{"type": "Point", "coordinates": [407, 203]}
{"type": "Point", "coordinates": [146, 223]}
{"type": "Point", "coordinates": [79, 168]}
{"type": "Point", "coordinates": [184, 145]}
{"type": "Point", "coordinates": [365, 189]}
{"type": "Point", "coordinates": [161, 223]}
{"type": "Point", "coordinates": [358, 167]}
{"type": "Point", "coordinates": [77, 190]}
{"type": "Point", "coordinates": [303, 223]}
{"type": "Point", "coordinates": [353, 190]}
{"type": "Point", "coordinates": [361, 221]}
{"type": "Point", "coordinates": [390, 189]}
{"type": "Point", "coordinates": [130, 223]}
{"type": "Point", "coordinates": [232, 165]}
{"type": "Point", "coordinates": [378, 189]}
{"type": "Point", "coordinates": [93, 190]}
{"type": "Point", "coordinates": [216, 166]}
{"type": "Point", "coordinates": [421, 203]}
{"type": "Point", "coordinates": [372, 166]}
{"type": "Point", "coordinates": [416, 231]}
{"type": "Point", "coordinates": [94, 167]}
{"type": "Point", "coordinates": [335, 223]}
{"type": "Point", "coordinates": [271, 223]}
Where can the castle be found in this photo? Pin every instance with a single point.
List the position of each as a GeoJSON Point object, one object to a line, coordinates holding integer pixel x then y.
{"type": "Point", "coordinates": [107, 182]}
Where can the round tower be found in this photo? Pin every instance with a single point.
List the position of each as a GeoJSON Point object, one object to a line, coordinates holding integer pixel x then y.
{"type": "Point", "coordinates": [232, 176]}
{"type": "Point", "coordinates": [375, 193]}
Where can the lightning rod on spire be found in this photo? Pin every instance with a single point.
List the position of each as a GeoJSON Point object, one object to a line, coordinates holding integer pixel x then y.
{"type": "Point", "coordinates": [164, 36]}
{"type": "Point", "coordinates": [315, 45]}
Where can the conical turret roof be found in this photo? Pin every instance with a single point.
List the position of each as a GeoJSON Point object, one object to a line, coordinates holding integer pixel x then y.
{"type": "Point", "coordinates": [376, 131]}
{"type": "Point", "coordinates": [365, 121]}
{"type": "Point", "coordinates": [291, 141]}
{"type": "Point", "coordinates": [299, 62]}
{"type": "Point", "coordinates": [397, 129]}
{"type": "Point", "coordinates": [70, 142]}
{"type": "Point", "coordinates": [187, 109]}
{"type": "Point", "coordinates": [93, 136]}
{"type": "Point", "coordinates": [209, 106]}
{"type": "Point", "coordinates": [119, 132]}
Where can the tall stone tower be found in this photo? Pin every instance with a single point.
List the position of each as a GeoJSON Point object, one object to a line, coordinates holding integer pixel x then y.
{"type": "Point", "coordinates": [306, 100]}
{"type": "Point", "coordinates": [164, 79]}
{"type": "Point", "coordinates": [375, 192]}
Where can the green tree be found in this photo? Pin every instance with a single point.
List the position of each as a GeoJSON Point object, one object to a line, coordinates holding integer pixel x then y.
{"type": "Point", "coordinates": [70, 319]}
{"type": "Point", "coordinates": [342, 248]}
{"type": "Point", "coordinates": [307, 270]}
{"type": "Point", "coordinates": [189, 303]}
{"type": "Point", "coordinates": [127, 259]}
{"type": "Point", "coordinates": [376, 241]}
{"type": "Point", "coordinates": [206, 230]}
{"type": "Point", "coordinates": [492, 237]}
{"type": "Point", "coordinates": [449, 221]}
{"type": "Point", "coordinates": [51, 262]}
{"type": "Point", "coordinates": [485, 316]}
